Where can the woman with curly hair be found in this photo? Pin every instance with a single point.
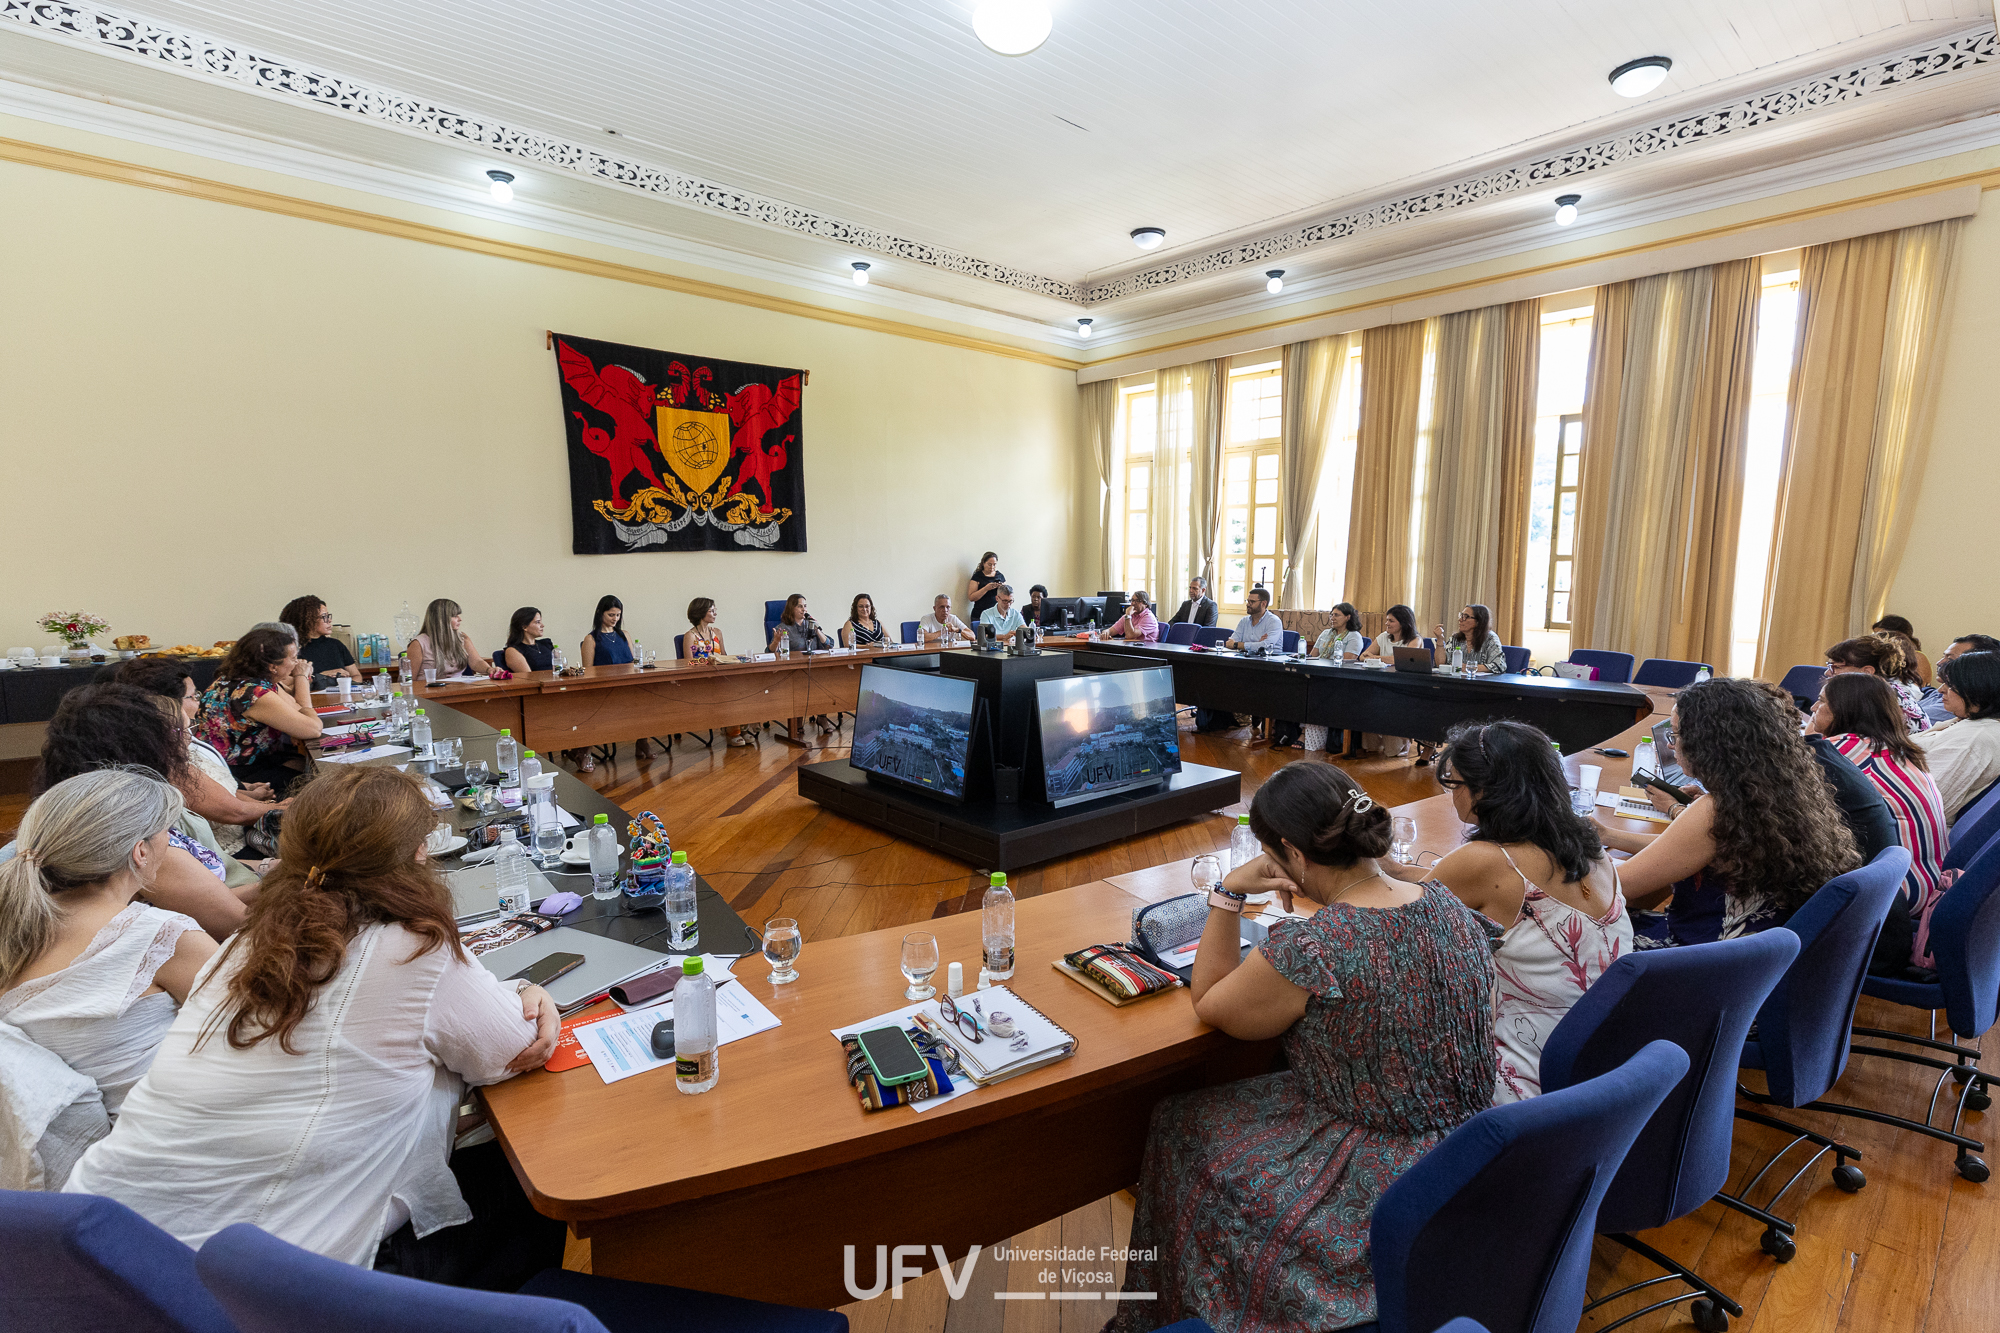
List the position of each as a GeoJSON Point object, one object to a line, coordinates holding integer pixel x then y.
{"type": "Point", "coordinates": [1913, 647]}
{"type": "Point", "coordinates": [1883, 655]}
{"type": "Point", "coordinates": [1760, 840]}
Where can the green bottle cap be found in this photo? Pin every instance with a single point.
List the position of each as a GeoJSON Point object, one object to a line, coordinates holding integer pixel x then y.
{"type": "Point", "coordinates": [420, 712]}
{"type": "Point", "coordinates": [505, 732]}
{"type": "Point", "coordinates": [996, 879]}
{"type": "Point", "coordinates": [1242, 819]}
{"type": "Point", "coordinates": [680, 858]}
{"type": "Point", "coordinates": [530, 754]}
{"type": "Point", "coordinates": [691, 966]}
{"type": "Point", "coordinates": [600, 819]}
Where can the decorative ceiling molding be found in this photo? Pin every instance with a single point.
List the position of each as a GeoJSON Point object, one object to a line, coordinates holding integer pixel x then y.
{"type": "Point", "coordinates": [1933, 60]}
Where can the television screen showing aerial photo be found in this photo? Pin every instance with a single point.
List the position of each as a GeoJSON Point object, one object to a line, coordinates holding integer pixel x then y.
{"type": "Point", "coordinates": [1107, 732]}
{"type": "Point", "coordinates": [914, 728]}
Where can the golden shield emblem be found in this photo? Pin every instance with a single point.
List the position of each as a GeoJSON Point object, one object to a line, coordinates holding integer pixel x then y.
{"type": "Point", "coordinates": [696, 445]}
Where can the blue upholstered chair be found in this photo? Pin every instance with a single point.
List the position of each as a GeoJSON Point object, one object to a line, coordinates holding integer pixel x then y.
{"type": "Point", "coordinates": [1182, 632]}
{"type": "Point", "coordinates": [909, 633]}
{"type": "Point", "coordinates": [270, 1286]}
{"type": "Point", "coordinates": [1802, 683]}
{"type": "Point", "coordinates": [1212, 636]}
{"type": "Point", "coordinates": [773, 612]}
{"type": "Point", "coordinates": [1667, 673]}
{"type": "Point", "coordinates": [84, 1264]}
{"type": "Point", "coordinates": [1975, 826]}
{"type": "Point", "coordinates": [680, 647]}
{"type": "Point", "coordinates": [1543, 1165]}
{"type": "Point", "coordinates": [1802, 1030]}
{"type": "Point", "coordinates": [1517, 657]}
{"type": "Point", "coordinates": [1613, 667]}
{"type": "Point", "coordinates": [1965, 944]}
{"type": "Point", "coordinates": [1291, 641]}
{"type": "Point", "coordinates": [1701, 997]}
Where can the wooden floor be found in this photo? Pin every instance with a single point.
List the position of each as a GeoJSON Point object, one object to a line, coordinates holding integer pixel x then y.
{"type": "Point", "coordinates": [1918, 1249]}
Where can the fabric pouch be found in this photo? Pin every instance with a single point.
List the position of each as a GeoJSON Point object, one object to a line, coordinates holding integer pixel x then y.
{"type": "Point", "coordinates": [1120, 970]}
{"type": "Point", "coordinates": [1167, 925]}
{"type": "Point", "coordinates": [875, 1097]}
{"type": "Point", "coordinates": [650, 986]}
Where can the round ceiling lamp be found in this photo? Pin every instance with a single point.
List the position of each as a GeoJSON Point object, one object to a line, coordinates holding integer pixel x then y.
{"type": "Point", "coordinates": [1083, 327]}
{"type": "Point", "coordinates": [1636, 78]}
{"type": "Point", "coordinates": [1566, 208]}
{"type": "Point", "coordinates": [861, 267]}
{"type": "Point", "coordinates": [1274, 281]}
{"type": "Point", "coordinates": [1011, 27]}
{"type": "Point", "coordinates": [502, 188]}
{"type": "Point", "coordinates": [1149, 238]}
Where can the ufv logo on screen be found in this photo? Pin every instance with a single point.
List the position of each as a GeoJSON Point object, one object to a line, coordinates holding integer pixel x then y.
{"type": "Point", "coordinates": [1075, 1272]}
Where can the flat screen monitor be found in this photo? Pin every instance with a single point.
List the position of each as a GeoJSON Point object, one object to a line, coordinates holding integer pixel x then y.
{"type": "Point", "coordinates": [914, 729]}
{"type": "Point", "coordinates": [1107, 732]}
{"type": "Point", "coordinates": [1054, 609]}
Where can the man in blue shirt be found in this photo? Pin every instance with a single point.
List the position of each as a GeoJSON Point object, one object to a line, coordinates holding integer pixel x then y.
{"type": "Point", "coordinates": [1005, 620]}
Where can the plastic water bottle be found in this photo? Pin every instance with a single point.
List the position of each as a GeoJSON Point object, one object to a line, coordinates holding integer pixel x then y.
{"type": "Point", "coordinates": [399, 710]}
{"type": "Point", "coordinates": [510, 868]}
{"type": "Point", "coordinates": [1701, 676]}
{"type": "Point", "coordinates": [420, 733]}
{"type": "Point", "coordinates": [696, 1063]}
{"type": "Point", "coordinates": [1457, 660]}
{"type": "Point", "coordinates": [529, 768]}
{"type": "Point", "coordinates": [557, 662]}
{"type": "Point", "coordinates": [603, 858]}
{"type": "Point", "coordinates": [1243, 845]}
{"type": "Point", "coordinates": [507, 753]}
{"type": "Point", "coordinates": [683, 925]}
{"type": "Point", "coordinates": [996, 929]}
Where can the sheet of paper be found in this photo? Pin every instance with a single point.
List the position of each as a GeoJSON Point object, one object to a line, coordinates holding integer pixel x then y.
{"type": "Point", "coordinates": [906, 1018]}
{"type": "Point", "coordinates": [623, 1046]}
{"type": "Point", "coordinates": [372, 752]}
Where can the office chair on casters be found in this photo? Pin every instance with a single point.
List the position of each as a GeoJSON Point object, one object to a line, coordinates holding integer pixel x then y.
{"type": "Point", "coordinates": [1212, 636]}
{"type": "Point", "coordinates": [1701, 997]}
{"type": "Point", "coordinates": [1544, 1164]}
{"type": "Point", "coordinates": [1667, 673]}
{"type": "Point", "coordinates": [1182, 632]}
{"type": "Point", "coordinates": [1517, 658]}
{"type": "Point", "coordinates": [86, 1264]}
{"type": "Point", "coordinates": [1802, 683]}
{"type": "Point", "coordinates": [1802, 1030]}
{"type": "Point", "coordinates": [1613, 667]}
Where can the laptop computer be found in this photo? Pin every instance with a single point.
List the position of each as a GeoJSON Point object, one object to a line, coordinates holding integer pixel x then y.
{"type": "Point", "coordinates": [606, 962]}
{"type": "Point", "coordinates": [475, 891]}
{"type": "Point", "coordinates": [1414, 657]}
{"type": "Point", "coordinates": [1664, 756]}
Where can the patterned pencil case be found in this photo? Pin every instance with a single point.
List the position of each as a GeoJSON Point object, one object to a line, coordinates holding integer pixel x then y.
{"type": "Point", "coordinates": [1161, 927]}
{"type": "Point", "coordinates": [1120, 970]}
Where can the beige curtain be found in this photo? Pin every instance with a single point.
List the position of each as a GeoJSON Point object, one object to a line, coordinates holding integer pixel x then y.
{"type": "Point", "coordinates": [1610, 319]}
{"type": "Point", "coordinates": [1385, 454]}
{"type": "Point", "coordinates": [1864, 386]}
{"type": "Point", "coordinates": [1097, 406]}
{"type": "Point", "coordinates": [1174, 421]}
{"type": "Point", "coordinates": [1207, 411]}
{"type": "Point", "coordinates": [1706, 588]}
{"type": "Point", "coordinates": [1482, 451]}
{"type": "Point", "coordinates": [1312, 376]}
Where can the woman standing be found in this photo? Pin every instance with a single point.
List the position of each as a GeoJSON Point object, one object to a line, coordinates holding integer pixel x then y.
{"type": "Point", "coordinates": [984, 585]}
{"type": "Point", "coordinates": [862, 630]}
{"type": "Point", "coordinates": [527, 650]}
{"type": "Point", "coordinates": [313, 622]}
{"type": "Point", "coordinates": [259, 707]}
{"type": "Point", "coordinates": [1256, 1196]}
{"type": "Point", "coordinates": [1482, 647]}
{"type": "Point", "coordinates": [444, 646]}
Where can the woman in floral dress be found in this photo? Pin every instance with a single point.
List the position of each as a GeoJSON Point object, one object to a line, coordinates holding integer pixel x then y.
{"type": "Point", "coordinates": [1255, 1197]}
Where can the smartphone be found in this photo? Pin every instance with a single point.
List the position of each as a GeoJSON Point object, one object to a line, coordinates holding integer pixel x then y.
{"type": "Point", "coordinates": [892, 1057]}
{"type": "Point", "coordinates": [1645, 779]}
{"type": "Point", "coordinates": [544, 970]}
{"type": "Point", "coordinates": [1610, 752]}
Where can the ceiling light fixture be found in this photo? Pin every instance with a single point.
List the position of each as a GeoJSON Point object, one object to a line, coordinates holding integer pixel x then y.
{"type": "Point", "coordinates": [1276, 281]}
{"type": "Point", "coordinates": [1566, 208]}
{"type": "Point", "coordinates": [1149, 238]}
{"type": "Point", "coordinates": [502, 188]}
{"type": "Point", "coordinates": [1636, 78]}
{"type": "Point", "coordinates": [1012, 27]}
{"type": "Point", "coordinates": [1083, 327]}
{"type": "Point", "coordinates": [861, 267]}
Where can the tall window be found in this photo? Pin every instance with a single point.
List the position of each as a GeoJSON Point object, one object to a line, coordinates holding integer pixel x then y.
{"type": "Point", "coordinates": [1562, 543]}
{"type": "Point", "coordinates": [1565, 370]}
{"type": "Point", "coordinates": [1770, 389]}
{"type": "Point", "coordinates": [1336, 488]}
{"type": "Point", "coordinates": [1136, 562]}
{"type": "Point", "coordinates": [1252, 530]}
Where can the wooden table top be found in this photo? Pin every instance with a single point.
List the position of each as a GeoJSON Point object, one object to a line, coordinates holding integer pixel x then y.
{"type": "Point", "coordinates": [590, 1150]}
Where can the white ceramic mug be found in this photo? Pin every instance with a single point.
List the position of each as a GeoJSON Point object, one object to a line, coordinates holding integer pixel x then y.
{"type": "Point", "coordinates": [52, 659]}
{"type": "Point", "coordinates": [440, 837]}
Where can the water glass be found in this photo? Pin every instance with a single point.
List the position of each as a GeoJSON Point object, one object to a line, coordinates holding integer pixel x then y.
{"type": "Point", "coordinates": [1583, 802]}
{"type": "Point", "coordinates": [477, 773]}
{"type": "Point", "coordinates": [448, 751]}
{"type": "Point", "coordinates": [1206, 873]}
{"type": "Point", "coordinates": [920, 960]}
{"type": "Point", "coordinates": [1402, 839]}
{"type": "Point", "coordinates": [430, 676]}
{"type": "Point", "coordinates": [782, 946]}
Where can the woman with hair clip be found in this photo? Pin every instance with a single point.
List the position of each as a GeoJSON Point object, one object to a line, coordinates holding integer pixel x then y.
{"type": "Point", "coordinates": [88, 969]}
{"type": "Point", "coordinates": [1861, 717]}
{"type": "Point", "coordinates": [444, 646]}
{"type": "Point", "coordinates": [1760, 840]}
{"type": "Point", "coordinates": [1913, 648]}
{"type": "Point", "coordinates": [1538, 873]}
{"type": "Point", "coordinates": [1882, 655]}
{"type": "Point", "coordinates": [1257, 1196]}
{"type": "Point", "coordinates": [527, 649]}
{"type": "Point", "coordinates": [312, 1081]}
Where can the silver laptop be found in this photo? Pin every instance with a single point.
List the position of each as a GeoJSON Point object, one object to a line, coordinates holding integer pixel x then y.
{"type": "Point", "coordinates": [1414, 657]}
{"type": "Point", "coordinates": [475, 891]}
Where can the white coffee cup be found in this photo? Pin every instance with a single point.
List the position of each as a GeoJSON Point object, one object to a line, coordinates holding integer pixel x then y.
{"type": "Point", "coordinates": [52, 659]}
{"type": "Point", "coordinates": [440, 837]}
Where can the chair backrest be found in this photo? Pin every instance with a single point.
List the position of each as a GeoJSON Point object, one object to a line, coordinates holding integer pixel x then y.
{"type": "Point", "coordinates": [1430, 645]}
{"type": "Point", "coordinates": [1543, 1166]}
{"type": "Point", "coordinates": [1701, 997]}
{"type": "Point", "coordinates": [1965, 944]}
{"type": "Point", "coordinates": [270, 1286]}
{"type": "Point", "coordinates": [1212, 636]}
{"type": "Point", "coordinates": [1615, 667]}
{"type": "Point", "coordinates": [1668, 673]}
{"type": "Point", "coordinates": [773, 612]}
{"type": "Point", "coordinates": [910, 631]}
{"type": "Point", "coordinates": [1803, 682]}
{"type": "Point", "coordinates": [680, 646]}
{"type": "Point", "coordinates": [1517, 657]}
{"type": "Point", "coordinates": [1974, 828]}
{"type": "Point", "coordinates": [1182, 632]}
{"type": "Point", "coordinates": [85, 1264]}
{"type": "Point", "coordinates": [1291, 641]}
{"type": "Point", "coordinates": [1803, 1026]}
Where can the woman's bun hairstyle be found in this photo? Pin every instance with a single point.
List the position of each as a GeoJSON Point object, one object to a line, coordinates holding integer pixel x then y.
{"type": "Point", "coordinates": [1320, 811]}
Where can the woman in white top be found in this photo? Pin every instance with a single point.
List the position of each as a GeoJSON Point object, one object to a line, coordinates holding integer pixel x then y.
{"type": "Point", "coordinates": [1539, 876]}
{"type": "Point", "coordinates": [445, 647]}
{"type": "Point", "coordinates": [86, 970]}
{"type": "Point", "coordinates": [1964, 753]}
{"type": "Point", "coordinates": [1399, 630]}
{"type": "Point", "coordinates": [1340, 642]}
{"type": "Point", "coordinates": [311, 1084]}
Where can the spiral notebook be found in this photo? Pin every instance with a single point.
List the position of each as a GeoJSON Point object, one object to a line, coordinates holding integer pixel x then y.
{"type": "Point", "coordinates": [996, 1059]}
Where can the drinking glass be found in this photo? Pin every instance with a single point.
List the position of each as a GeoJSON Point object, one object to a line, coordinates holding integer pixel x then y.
{"type": "Point", "coordinates": [430, 676]}
{"type": "Point", "coordinates": [478, 774]}
{"type": "Point", "coordinates": [1402, 839]}
{"type": "Point", "coordinates": [920, 959]}
{"type": "Point", "coordinates": [782, 946]}
{"type": "Point", "coordinates": [548, 828]}
{"type": "Point", "coordinates": [1206, 872]}
{"type": "Point", "coordinates": [449, 751]}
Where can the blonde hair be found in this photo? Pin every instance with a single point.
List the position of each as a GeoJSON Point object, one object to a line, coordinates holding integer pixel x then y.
{"type": "Point", "coordinates": [77, 833]}
{"type": "Point", "coordinates": [447, 648]}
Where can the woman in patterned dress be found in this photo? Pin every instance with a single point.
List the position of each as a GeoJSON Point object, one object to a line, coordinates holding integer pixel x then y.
{"type": "Point", "coordinates": [1255, 1197]}
{"type": "Point", "coordinates": [1537, 873]}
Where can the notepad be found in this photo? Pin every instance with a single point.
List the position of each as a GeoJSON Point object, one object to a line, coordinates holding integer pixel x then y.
{"type": "Point", "coordinates": [998, 1058]}
{"type": "Point", "coordinates": [372, 752]}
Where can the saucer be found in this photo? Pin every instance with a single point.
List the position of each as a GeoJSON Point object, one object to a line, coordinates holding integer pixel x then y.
{"type": "Point", "coordinates": [574, 855]}
{"type": "Point", "coordinates": [456, 844]}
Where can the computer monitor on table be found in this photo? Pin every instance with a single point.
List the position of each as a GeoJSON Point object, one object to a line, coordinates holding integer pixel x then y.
{"type": "Point", "coordinates": [914, 730]}
{"type": "Point", "coordinates": [1063, 611]}
{"type": "Point", "coordinates": [1105, 732]}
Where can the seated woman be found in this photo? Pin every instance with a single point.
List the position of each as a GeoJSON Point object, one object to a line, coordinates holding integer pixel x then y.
{"type": "Point", "coordinates": [1913, 648]}
{"type": "Point", "coordinates": [1964, 753]}
{"type": "Point", "coordinates": [1761, 839]}
{"type": "Point", "coordinates": [87, 969]}
{"type": "Point", "coordinates": [114, 726]}
{"type": "Point", "coordinates": [527, 649]}
{"type": "Point", "coordinates": [1863, 719]}
{"type": "Point", "coordinates": [797, 632]}
{"type": "Point", "coordinates": [1475, 637]}
{"type": "Point", "coordinates": [607, 644]}
{"type": "Point", "coordinates": [209, 788]}
{"type": "Point", "coordinates": [1399, 630]}
{"type": "Point", "coordinates": [259, 707]}
{"type": "Point", "coordinates": [1138, 624]}
{"type": "Point", "coordinates": [312, 1081]}
{"type": "Point", "coordinates": [703, 643]}
{"type": "Point", "coordinates": [1882, 655]}
{"type": "Point", "coordinates": [1341, 641]}
{"type": "Point", "coordinates": [444, 646]}
{"type": "Point", "coordinates": [1256, 1196]}
{"type": "Point", "coordinates": [313, 623]}
{"type": "Point", "coordinates": [1539, 873]}
{"type": "Point", "coordinates": [862, 630]}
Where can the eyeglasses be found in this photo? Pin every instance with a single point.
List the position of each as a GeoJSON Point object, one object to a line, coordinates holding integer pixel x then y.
{"type": "Point", "coordinates": [1450, 784]}
{"type": "Point", "coordinates": [967, 1021]}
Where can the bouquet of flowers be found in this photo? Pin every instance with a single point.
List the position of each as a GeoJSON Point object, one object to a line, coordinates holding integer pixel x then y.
{"type": "Point", "coordinates": [74, 628]}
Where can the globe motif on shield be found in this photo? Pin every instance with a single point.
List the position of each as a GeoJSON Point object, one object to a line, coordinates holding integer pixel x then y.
{"type": "Point", "coordinates": [695, 446]}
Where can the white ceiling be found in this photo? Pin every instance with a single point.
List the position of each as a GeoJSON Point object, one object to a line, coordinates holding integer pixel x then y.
{"type": "Point", "coordinates": [1220, 123]}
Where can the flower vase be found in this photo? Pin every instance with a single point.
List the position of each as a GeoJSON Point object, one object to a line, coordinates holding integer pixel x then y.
{"type": "Point", "coordinates": [79, 651]}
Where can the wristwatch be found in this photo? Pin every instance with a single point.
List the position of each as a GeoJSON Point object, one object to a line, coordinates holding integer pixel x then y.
{"type": "Point", "coordinates": [1223, 900]}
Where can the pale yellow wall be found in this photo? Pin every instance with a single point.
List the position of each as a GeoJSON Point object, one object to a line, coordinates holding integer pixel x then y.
{"type": "Point", "coordinates": [206, 409]}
